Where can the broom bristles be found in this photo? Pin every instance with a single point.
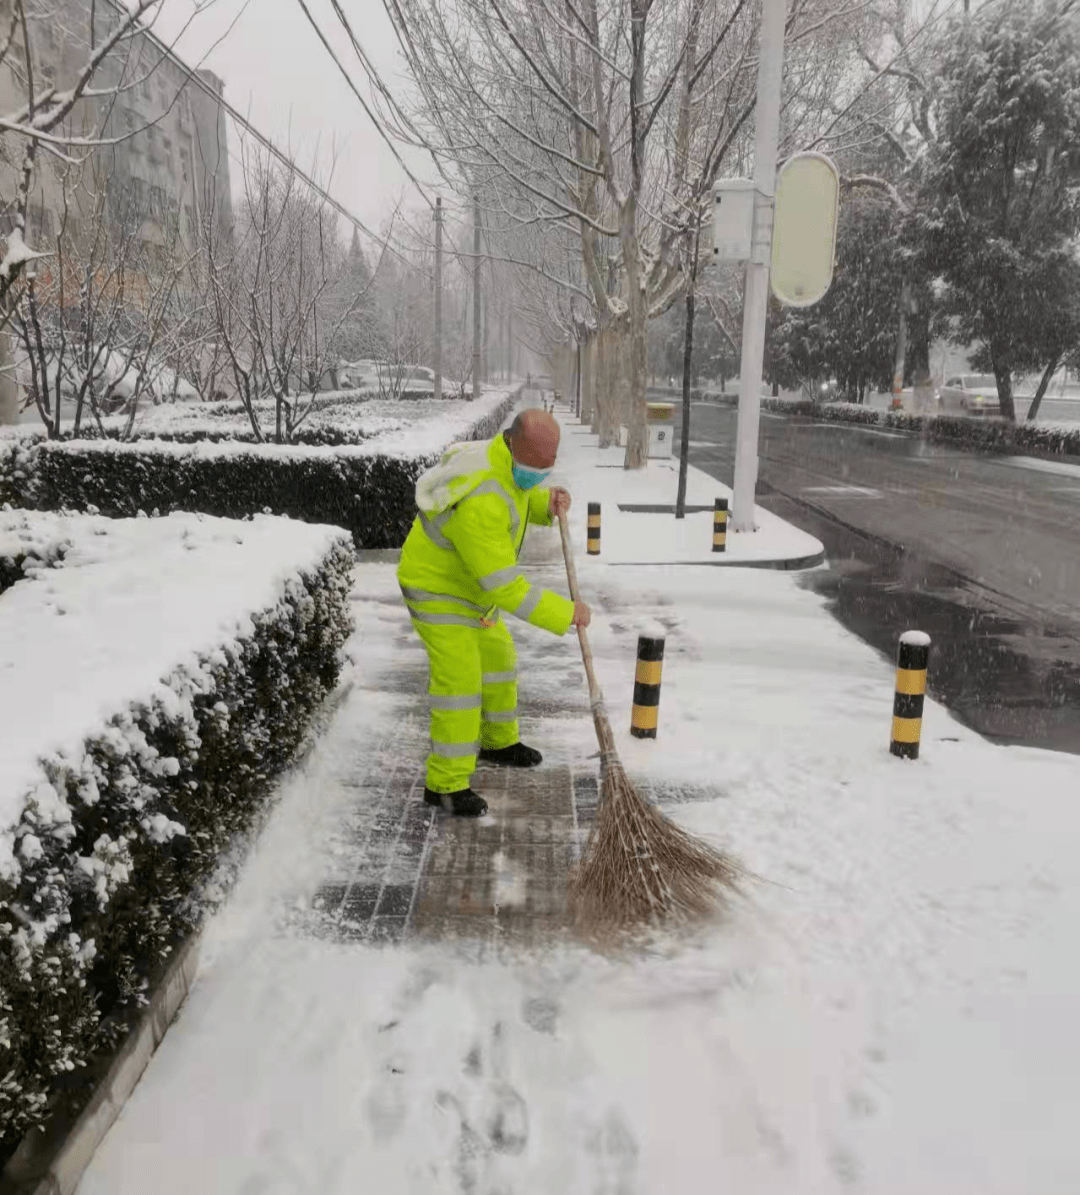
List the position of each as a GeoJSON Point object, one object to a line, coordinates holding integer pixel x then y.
{"type": "Point", "coordinates": [640, 870]}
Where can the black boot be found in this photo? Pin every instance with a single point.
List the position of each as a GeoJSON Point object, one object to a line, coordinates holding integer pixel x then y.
{"type": "Point", "coordinates": [463, 803]}
{"type": "Point", "coordinates": [517, 755]}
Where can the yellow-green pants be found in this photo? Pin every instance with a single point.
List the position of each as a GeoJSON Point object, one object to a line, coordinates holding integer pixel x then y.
{"type": "Point", "coordinates": [472, 689]}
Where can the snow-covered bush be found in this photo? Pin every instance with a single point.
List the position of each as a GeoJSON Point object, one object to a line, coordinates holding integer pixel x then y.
{"type": "Point", "coordinates": [1048, 439]}
{"type": "Point", "coordinates": [846, 412]}
{"type": "Point", "coordinates": [366, 488]}
{"type": "Point", "coordinates": [790, 406]}
{"type": "Point", "coordinates": [116, 816]}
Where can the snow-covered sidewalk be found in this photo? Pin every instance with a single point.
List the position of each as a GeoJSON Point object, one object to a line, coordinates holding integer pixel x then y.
{"type": "Point", "coordinates": [891, 1010]}
{"type": "Point", "coordinates": [638, 509]}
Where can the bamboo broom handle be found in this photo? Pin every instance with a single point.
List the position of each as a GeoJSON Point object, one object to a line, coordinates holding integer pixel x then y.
{"type": "Point", "coordinates": [575, 594]}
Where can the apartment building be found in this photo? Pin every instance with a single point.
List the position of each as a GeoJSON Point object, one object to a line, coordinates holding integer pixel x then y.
{"type": "Point", "coordinates": [165, 167]}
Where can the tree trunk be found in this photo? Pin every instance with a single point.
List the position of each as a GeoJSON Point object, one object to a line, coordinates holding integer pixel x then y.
{"type": "Point", "coordinates": [577, 379]}
{"type": "Point", "coordinates": [637, 431]}
{"type": "Point", "coordinates": [1044, 385]}
{"type": "Point", "coordinates": [598, 383]}
{"type": "Point", "coordinates": [918, 356]}
{"type": "Point", "coordinates": [585, 413]}
{"type": "Point", "coordinates": [9, 391]}
{"type": "Point", "coordinates": [1003, 377]}
{"type": "Point", "coordinates": [901, 343]}
{"type": "Point", "coordinates": [609, 390]}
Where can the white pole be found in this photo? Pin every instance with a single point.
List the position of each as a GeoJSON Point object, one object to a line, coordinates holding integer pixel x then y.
{"type": "Point", "coordinates": [756, 299]}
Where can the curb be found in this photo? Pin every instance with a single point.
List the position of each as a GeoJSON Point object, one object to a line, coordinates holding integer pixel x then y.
{"type": "Point", "coordinates": [791, 564]}
{"type": "Point", "coordinates": [52, 1161]}
{"type": "Point", "coordinates": [378, 555]}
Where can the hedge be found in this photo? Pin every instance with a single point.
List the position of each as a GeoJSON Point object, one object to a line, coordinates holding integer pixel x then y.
{"type": "Point", "coordinates": [979, 434]}
{"type": "Point", "coordinates": [121, 844]}
{"type": "Point", "coordinates": [370, 495]}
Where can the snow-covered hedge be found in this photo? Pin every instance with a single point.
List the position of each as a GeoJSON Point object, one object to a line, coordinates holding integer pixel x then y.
{"type": "Point", "coordinates": [987, 435]}
{"type": "Point", "coordinates": [155, 682]}
{"type": "Point", "coordinates": [367, 488]}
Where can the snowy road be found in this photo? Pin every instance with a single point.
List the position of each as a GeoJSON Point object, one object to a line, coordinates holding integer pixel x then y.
{"type": "Point", "coordinates": [982, 551]}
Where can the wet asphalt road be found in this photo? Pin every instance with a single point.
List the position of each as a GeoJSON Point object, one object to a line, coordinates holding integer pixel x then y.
{"type": "Point", "coordinates": [983, 552]}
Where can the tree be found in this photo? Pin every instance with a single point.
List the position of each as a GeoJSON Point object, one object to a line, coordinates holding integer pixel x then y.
{"type": "Point", "coordinates": [62, 121]}
{"type": "Point", "coordinates": [353, 318]}
{"type": "Point", "coordinates": [563, 116]}
{"type": "Point", "coordinates": [270, 280]}
{"type": "Point", "coordinates": [999, 213]}
{"type": "Point", "coordinates": [103, 313]}
{"type": "Point", "coordinates": [851, 333]}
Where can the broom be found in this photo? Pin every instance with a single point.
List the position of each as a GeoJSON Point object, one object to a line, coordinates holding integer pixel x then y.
{"type": "Point", "coordinates": [639, 869]}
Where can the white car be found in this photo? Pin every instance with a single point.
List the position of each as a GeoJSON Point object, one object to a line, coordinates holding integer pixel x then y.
{"type": "Point", "coordinates": [970, 394]}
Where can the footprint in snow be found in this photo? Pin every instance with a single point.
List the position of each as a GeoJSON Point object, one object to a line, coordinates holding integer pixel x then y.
{"type": "Point", "coordinates": [615, 1151]}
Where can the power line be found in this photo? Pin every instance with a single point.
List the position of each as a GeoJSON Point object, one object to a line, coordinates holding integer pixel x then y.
{"type": "Point", "coordinates": [356, 91]}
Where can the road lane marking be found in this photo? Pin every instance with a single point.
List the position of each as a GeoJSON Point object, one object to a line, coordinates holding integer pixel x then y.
{"type": "Point", "coordinates": [843, 491]}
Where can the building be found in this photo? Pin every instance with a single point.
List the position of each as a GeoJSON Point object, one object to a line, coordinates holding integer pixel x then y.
{"type": "Point", "coordinates": [164, 172]}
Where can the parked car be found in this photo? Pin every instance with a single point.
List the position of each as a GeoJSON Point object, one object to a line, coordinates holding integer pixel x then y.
{"type": "Point", "coordinates": [390, 378]}
{"type": "Point", "coordinates": [970, 394]}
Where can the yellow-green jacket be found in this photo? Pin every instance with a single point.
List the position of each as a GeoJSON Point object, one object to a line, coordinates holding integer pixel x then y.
{"type": "Point", "coordinates": [459, 563]}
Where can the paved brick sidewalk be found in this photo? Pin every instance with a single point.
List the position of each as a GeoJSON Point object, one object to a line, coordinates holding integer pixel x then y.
{"type": "Point", "coordinates": [399, 869]}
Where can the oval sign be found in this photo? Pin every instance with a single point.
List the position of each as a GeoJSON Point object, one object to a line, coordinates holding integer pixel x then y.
{"type": "Point", "coordinates": [804, 229]}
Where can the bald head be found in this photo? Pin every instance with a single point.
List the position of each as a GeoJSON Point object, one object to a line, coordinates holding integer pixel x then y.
{"type": "Point", "coordinates": [534, 439]}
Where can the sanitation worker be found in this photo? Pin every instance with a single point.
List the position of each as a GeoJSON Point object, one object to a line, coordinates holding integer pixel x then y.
{"type": "Point", "coordinates": [459, 574]}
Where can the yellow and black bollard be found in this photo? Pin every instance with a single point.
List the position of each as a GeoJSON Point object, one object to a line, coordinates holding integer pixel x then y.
{"type": "Point", "coordinates": [719, 526]}
{"type": "Point", "coordinates": [650, 662]}
{"type": "Point", "coordinates": [911, 662]}
{"type": "Point", "coordinates": [594, 529]}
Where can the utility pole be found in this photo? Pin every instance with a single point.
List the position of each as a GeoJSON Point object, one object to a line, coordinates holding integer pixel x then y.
{"type": "Point", "coordinates": [476, 299]}
{"type": "Point", "coordinates": [756, 298]}
{"type": "Point", "coordinates": [438, 298]}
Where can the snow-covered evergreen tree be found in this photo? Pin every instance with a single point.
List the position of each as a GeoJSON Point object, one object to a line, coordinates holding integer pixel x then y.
{"type": "Point", "coordinates": [999, 215]}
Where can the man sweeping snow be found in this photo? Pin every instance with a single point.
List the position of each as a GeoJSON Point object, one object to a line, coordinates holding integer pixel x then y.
{"type": "Point", "coordinates": [458, 573]}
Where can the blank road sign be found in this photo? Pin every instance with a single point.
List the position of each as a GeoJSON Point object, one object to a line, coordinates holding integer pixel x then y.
{"type": "Point", "coordinates": [804, 229]}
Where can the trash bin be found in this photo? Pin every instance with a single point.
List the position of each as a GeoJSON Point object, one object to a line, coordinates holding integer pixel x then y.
{"type": "Point", "coordinates": [660, 417]}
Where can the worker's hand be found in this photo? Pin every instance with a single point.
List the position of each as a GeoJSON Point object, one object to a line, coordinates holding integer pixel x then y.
{"type": "Point", "coordinates": [582, 615]}
{"type": "Point", "coordinates": [560, 502]}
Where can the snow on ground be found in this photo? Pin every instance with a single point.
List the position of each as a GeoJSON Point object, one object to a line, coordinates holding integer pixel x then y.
{"type": "Point", "coordinates": [593, 474]}
{"type": "Point", "coordinates": [891, 1009]}
{"type": "Point", "coordinates": [402, 428]}
{"type": "Point", "coordinates": [130, 601]}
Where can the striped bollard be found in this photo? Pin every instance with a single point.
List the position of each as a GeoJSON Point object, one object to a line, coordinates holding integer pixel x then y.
{"type": "Point", "coordinates": [911, 662]}
{"type": "Point", "coordinates": [593, 547]}
{"type": "Point", "coordinates": [719, 525]}
{"type": "Point", "coordinates": [650, 663]}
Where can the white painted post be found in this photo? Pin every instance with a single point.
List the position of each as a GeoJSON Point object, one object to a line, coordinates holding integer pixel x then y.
{"type": "Point", "coordinates": [756, 299]}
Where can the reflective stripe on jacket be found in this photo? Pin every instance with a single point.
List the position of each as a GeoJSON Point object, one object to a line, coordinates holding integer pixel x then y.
{"type": "Point", "coordinates": [459, 563]}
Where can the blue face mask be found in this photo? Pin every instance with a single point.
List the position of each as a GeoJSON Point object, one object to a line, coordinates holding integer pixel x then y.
{"type": "Point", "coordinates": [526, 479]}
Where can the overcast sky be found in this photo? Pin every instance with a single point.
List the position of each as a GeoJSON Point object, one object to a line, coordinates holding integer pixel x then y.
{"type": "Point", "coordinates": [279, 75]}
